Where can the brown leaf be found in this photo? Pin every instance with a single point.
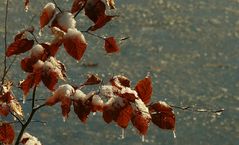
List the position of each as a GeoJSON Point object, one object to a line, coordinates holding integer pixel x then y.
{"type": "Point", "coordinates": [162, 115]}
{"type": "Point", "coordinates": [111, 45]}
{"type": "Point", "coordinates": [50, 79]}
{"type": "Point", "coordinates": [47, 14]}
{"type": "Point", "coordinates": [27, 84]}
{"type": "Point", "coordinates": [65, 107]}
{"type": "Point", "coordinates": [21, 34]}
{"type": "Point", "coordinates": [144, 89]}
{"type": "Point", "coordinates": [7, 133]}
{"type": "Point", "coordinates": [82, 110]}
{"type": "Point", "coordinates": [101, 21]}
{"type": "Point", "coordinates": [54, 46]}
{"type": "Point", "coordinates": [119, 81]}
{"type": "Point", "coordinates": [124, 116]}
{"type": "Point", "coordinates": [16, 107]}
{"type": "Point", "coordinates": [92, 80]}
{"type": "Point", "coordinates": [27, 64]}
{"type": "Point", "coordinates": [75, 43]}
{"type": "Point", "coordinates": [140, 122]}
{"type": "Point", "coordinates": [19, 46]}
{"type": "Point", "coordinates": [108, 114]}
{"type": "Point", "coordinates": [95, 9]}
{"type": "Point", "coordinates": [77, 5]}
{"type": "Point", "coordinates": [64, 21]}
{"type": "Point", "coordinates": [4, 109]}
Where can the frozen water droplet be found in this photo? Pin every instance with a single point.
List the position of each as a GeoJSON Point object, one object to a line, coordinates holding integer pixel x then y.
{"type": "Point", "coordinates": [122, 133]}
{"type": "Point", "coordinates": [24, 99]}
{"type": "Point", "coordinates": [143, 138]}
{"type": "Point", "coordinates": [174, 134]}
{"type": "Point", "coordinates": [40, 32]}
{"type": "Point", "coordinates": [94, 113]}
{"type": "Point", "coordinates": [64, 118]}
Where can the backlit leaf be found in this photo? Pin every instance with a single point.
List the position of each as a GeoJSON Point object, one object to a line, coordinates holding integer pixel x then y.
{"type": "Point", "coordinates": [75, 43]}
{"type": "Point", "coordinates": [144, 89]}
{"type": "Point", "coordinates": [77, 5]}
{"type": "Point", "coordinates": [111, 45]}
{"type": "Point", "coordinates": [19, 46]}
{"type": "Point", "coordinates": [47, 14]}
{"type": "Point", "coordinates": [7, 133]}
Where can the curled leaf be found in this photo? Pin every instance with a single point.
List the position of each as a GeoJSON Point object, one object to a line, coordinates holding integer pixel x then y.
{"type": "Point", "coordinates": [77, 5]}
{"type": "Point", "coordinates": [92, 80]}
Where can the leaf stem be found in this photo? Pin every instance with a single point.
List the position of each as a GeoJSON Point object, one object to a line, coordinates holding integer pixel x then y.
{"type": "Point", "coordinates": [57, 6]}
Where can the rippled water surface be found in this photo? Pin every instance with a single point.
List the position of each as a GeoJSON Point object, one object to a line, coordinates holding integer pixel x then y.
{"type": "Point", "coordinates": [190, 47]}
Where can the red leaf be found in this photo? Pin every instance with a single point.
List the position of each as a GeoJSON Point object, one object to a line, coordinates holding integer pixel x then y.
{"type": "Point", "coordinates": [19, 46]}
{"type": "Point", "coordinates": [6, 133]}
{"type": "Point", "coordinates": [27, 84]}
{"type": "Point", "coordinates": [82, 110]}
{"type": "Point", "coordinates": [162, 115]}
{"type": "Point", "coordinates": [4, 109]}
{"type": "Point", "coordinates": [124, 116]}
{"type": "Point", "coordinates": [144, 89]}
{"type": "Point", "coordinates": [65, 106]}
{"type": "Point", "coordinates": [101, 21]}
{"type": "Point", "coordinates": [64, 21]}
{"type": "Point", "coordinates": [52, 100]}
{"type": "Point", "coordinates": [108, 114]}
{"type": "Point", "coordinates": [55, 45]}
{"type": "Point", "coordinates": [74, 43]}
{"type": "Point", "coordinates": [141, 123]}
{"type": "Point", "coordinates": [77, 5]}
{"type": "Point", "coordinates": [27, 64]}
{"type": "Point", "coordinates": [94, 9]}
{"type": "Point", "coordinates": [110, 45]}
{"type": "Point", "coordinates": [47, 14]}
{"type": "Point", "coordinates": [50, 79]}
{"type": "Point", "coordinates": [92, 80]}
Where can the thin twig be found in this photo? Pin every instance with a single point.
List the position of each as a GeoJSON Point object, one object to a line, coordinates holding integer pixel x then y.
{"type": "Point", "coordinates": [5, 43]}
{"type": "Point", "coordinates": [80, 10]}
{"type": "Point", "coordinates": [57, 6]}
{"type": "Point", "coordinates": [193, 109]}
{"type": "Point", "coordinates": [33, 96]}
{"type": "Point", "coordinates": [35, 38]}
{"type": "Point", "coordinates": [18, 119]}
{"type": "Point", "coordinates": [9, 67]}
{"type": "Point", "coordinates": [93, 34]}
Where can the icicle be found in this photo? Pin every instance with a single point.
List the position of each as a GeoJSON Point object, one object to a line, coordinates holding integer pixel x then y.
{"type": "Point", "coordinates": [122, 133]}
{"type": "Point", "coordinates": [143, 138]}
{"type": "Point", "coordinates": [174, 134]}
{"type": "Point", "coordinates": [24, 99]}
{"type": "Point", "coordinates": [14, 118]}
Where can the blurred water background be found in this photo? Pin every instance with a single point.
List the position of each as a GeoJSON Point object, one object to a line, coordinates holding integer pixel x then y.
{"type": "Point", "coordinates": [190, 47]}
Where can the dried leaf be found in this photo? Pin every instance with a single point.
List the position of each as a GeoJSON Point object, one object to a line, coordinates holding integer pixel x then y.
{"type": "Point", "coordinates": [4, 109]}
{"type": "Point", "coordinates": [144, 89]}
{"type": "Point", "coordinates": [92, 80]}
{"type": "Point", "coordinates": [111, 45]}
{"type": "Point", "coordinates": [111, 3]}
{"type": "Point", "coordinates": [124, 116]}
{"type": "Point", "coordinates": [26, 4]}
{"type": "Point", "coordinates": [21, 34]}
{"type": "Point", "coordinates": [162, 115]}
{"type": "Point", "coordinates": [19, 46]}
{"type": "Point", "coordinates": [50, 79]}
{"type": "Point", "coordinates": [27, 64]}
{"type": "Point", "coordinates": [75, 43]}
{"type": "Point", "coordinates": [47, 14]}
{"type": "Point", "coordinates": [64, 21]}
{"type": "Point", "coordinates": [120, 81]}
{"type": "Point", "coordinates": [16, 107]}
{"type": "Point", "coordinates": [7, 133]}
{"type": "Point", "coordinates": [65, 107]}
{"type": "Point", "coordinates": [27, 84]}
{"type": "Point", "coordinates": [82, 110]}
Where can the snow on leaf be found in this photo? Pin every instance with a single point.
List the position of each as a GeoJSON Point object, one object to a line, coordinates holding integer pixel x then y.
{"type": "Point", "coordinates": [120, 81]}
{"type": "Point", "coordinates": [7, 133]}
{"type": "Point", "coordinates": [21, 34]}
{"type": "Point", "coordinates": [64, 21]}
{"type": "Point", "coordinates": [144, 89]}
{"type": "Point", "coordinates": [77, 5]}
{"type": "Point", "coordinates": [65, 106]}
{"type": "Point", "coordinates": [111, 45]}
{"type": "Point", "coordinates": [28, 139]}
{"type": "Point", "coordinates": [19, 46]}
{"type": "Point", "coordinates": [47, 14]}
{"type": "Point", "coordinates": [82, 110]}
{"type": "Point", "coordinates": [75, 43]}
{"type": "Point", "coordinates": [162, 115]}
{"type": "Point", "coordinates": [140, 122]}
